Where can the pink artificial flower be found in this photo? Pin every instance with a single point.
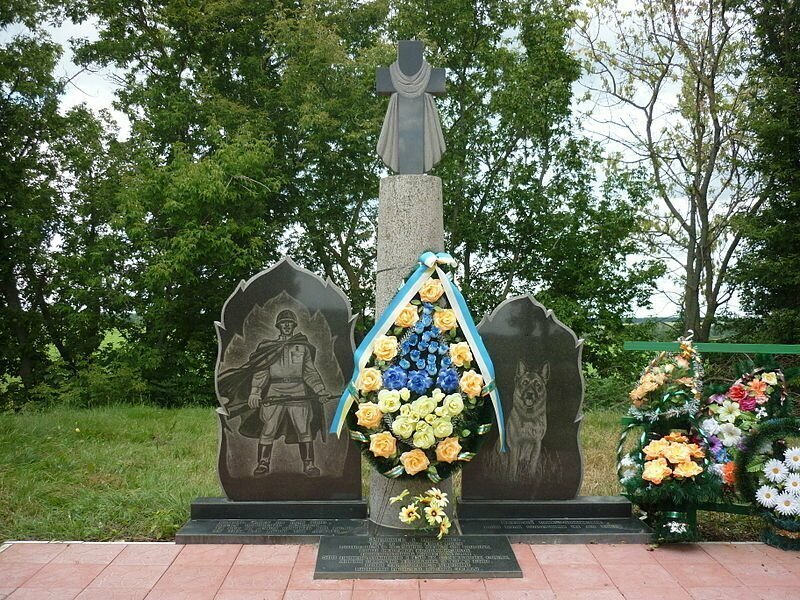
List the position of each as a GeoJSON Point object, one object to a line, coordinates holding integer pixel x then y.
{"type": "Point", "coordinates": [737, 392]}
{"type": "Point", "coordinates": [748, 403]}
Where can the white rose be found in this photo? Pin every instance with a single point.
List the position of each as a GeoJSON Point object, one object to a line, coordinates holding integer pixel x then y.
{"type": "Point", "coordinates": [389, 401]}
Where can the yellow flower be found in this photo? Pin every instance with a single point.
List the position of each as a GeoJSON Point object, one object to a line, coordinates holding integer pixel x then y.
{"type": "Point", "coordinates": [460, 353]}
{"type": "Point", "coordinates": [383, 444]}
{"type": "Point", "coordinates": [677, 453]}
{"type": "Point", "coordinates": [385, 347]}
{"type": "Point", "coordinates": [403, 428]}
{"type": "Point", "coordinates": [471, 383]}
{"type": "Point", "coordinates": [408, 317]}
{"type": "Point", "coordinates": [445, 319]}
{"type": "Point", "coordinates": [433, 514]}
{"type": "Point", "coordinates": [442, 428]}
{"type": "Point", "coordinates": [424, 405]}
{"type": "Point", "coordinates": [438, 495]}
{"type": "Point", "coordinates": [399, 497]}
{"type": "Point", "coordinates": [696, 451]}
{"type": "Point", "coordinates": [656, 471]}
{"type": "Point", "coordinates": [687, 469]}
{"type": "Point", "coordinates": [369, 380]}
{"type": "Point", "coordinates": [414, 461]}
{"type": "Point", "coordinates": [770, 378]}
{"type": "Point", "coordinates": [431, 290]}
{"type": "Point", "coordinates": [389, 401]}
{"type": "Point", "coordinates": [453, 405]}
{"type": "Point", "coordinates": [424, 438]}
{"type": "Point", "coordinates": [444, 527]}
{"type": "Point", "coordinates": [655, 449]}
{"type": "Point", "coordinates": [369, 415]}
{"type": "Point", "coordinates": [676, 436]}
{"type": "Point", "coordinates": [448, 450]}
{"type": "Point", "coordinates": [409, 514]}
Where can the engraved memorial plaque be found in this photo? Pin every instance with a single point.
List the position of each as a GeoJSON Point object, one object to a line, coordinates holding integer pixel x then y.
{"type": "Point", "coordinates": [537, 362]}
{"type": "Point", "coordinates": [285, 355]}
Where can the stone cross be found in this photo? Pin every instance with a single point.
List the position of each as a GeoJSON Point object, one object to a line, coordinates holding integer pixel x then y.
{"type": "Point", "coordinates": [416, 131]}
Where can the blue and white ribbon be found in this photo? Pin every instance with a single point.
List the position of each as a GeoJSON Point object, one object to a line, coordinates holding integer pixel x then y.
{"type": "Point", "coordinates": [428, 265]}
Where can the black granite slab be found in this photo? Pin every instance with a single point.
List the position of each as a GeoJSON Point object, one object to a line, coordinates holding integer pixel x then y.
{"type": "Point", "coordinates": [605, 507]}
{"type": "Point", "coordinates": [267, 531]}
{"type": "Point", "coordinates": [222, 508]}
{"type": "Point", "coordinates": [562, 531]}
{"type": "Point", "coordinates": [537, 362]}
{"type": "Point", "coordinates": [407, 557]}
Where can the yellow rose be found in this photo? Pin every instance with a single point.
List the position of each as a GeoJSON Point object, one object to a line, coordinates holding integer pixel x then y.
{"type": "Point", "coordinates": [405, 394]}
{"type": "Point", "coordinates": [423, 406]}
{"type": "Point", "coordinates": [460, 353]}
{"type": "Point", "coordinates": [687, 469]}
{"type": "Point", "coordinates": [385, 347]}
{"type": "Point", "coordinates": [445, 319]}
{"type": "Point", "coordinates": [414, 461]}
{"type": "Point", "coordinates": [770, 378]}
{"type": "Point", "coordinates": [402, 427]}
{"type": "Point", "coordinates": [442, 428]}
{"type": "Point", "coordinates": [656, 471]}
{"type": "Point", "coordinates": [677, 453]}
{"type": "Point", "coordinates": [369, 415]}
{"type": "Point", "coordinates": [389, 401]}
{"type": "Point", "coordinates": [453, 405]}
{"type": "Point", "coordinates": [408, 317]}
{"type": "Point", "coordinates": [369, 380]}
{"type": "Point", "coordinates": [471, 383]}
{"type": "Point", "coordinates": [448, 450]}
{"type": "Point", "coordinates": [424, 438]}
{"type": "Point", "coordinates": [431, 290]}
{"type": "Point", "coordinates": [655, 449]}
{"type": "Point", "coordinates": [383, 444]}
{"type": "Point", "coordinates": [696, 451]}
{"type": "Point", "coordinates": [676, 436]}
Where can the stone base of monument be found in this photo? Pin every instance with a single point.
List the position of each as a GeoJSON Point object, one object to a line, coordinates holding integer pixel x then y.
{"type": "Point", "coordinates": [583, 520]}
{"type": "Point", "coordinates": [224, 521]}
{"type": "Point", "coordinates": [406, 556]}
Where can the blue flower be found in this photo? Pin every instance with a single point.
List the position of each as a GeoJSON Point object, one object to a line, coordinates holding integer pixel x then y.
{"type": "Point", "coordinates": [443, 349]}
{"type": "Point", "coordinates": [431, 368]}
{"type": "Point", "coordinates": [446, 362]}
{"type": "Point", "coordinates": [415, 355]}
{"type": "Point", "coordinates": [427, 308]}
{"type": "Point", "coordinates": [394, 378]}
{"type": "Point", "coordinates": [419, 327]}
{"type": "Point", "coordinates": [423, 345]}
{"type": "Point", "coordinates": [405, 364]}
{"type": "Point", "coordinates": [421, 363]}
{"type": "Point", "coordinates": [419, 382]}
{"type": "Point", "coordinates": [431, 358]}
{"type": "Point", "coordinates": [405, 348]}
{"type": "Point", "coordinates": [433, 346]}
{"type": "Point", "coordinates": [447, 380]}
{"type": "Point", "coordinates": [434, 331]}
{"type": "Point", "coordinates": [426, 320]}
{"type": "Point", "coordinates": [426, 337]}
{"type": "Point", "coordinates": [413, 339]}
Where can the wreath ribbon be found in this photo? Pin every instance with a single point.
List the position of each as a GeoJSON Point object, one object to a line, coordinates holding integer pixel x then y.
{"type": "Point", "coordinates": [429, 263]}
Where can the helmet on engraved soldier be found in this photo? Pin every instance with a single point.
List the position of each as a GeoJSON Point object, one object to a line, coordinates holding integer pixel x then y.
{"type": "Point", "coordinates": [286, 315]}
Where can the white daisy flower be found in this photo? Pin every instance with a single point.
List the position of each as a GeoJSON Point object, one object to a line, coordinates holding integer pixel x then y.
{"type": "Point", "coordinates": [792, 458]}
{"type": "Point", "coordinates": [792, 484]}
{"type": "Point", "coordinates": [761, 412]}
{"type": "Point", "coordinates": [627, 462]}
{"type": "Point", "coordinates": [775, 470]}
{"type": "Point", "coordinates": [766, 496]}
{"type": "Point", "coordinates": [786, 504]}
{"type": "Point", "coordinates": [729, 434]}
{"type": "Point", "coordinates": [710, 426]}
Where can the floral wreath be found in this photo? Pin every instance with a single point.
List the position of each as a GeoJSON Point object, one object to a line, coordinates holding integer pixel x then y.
{"type": "Point", "coordinates": [422, 400]}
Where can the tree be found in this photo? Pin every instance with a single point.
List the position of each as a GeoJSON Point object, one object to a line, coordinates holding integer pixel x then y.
{"type": "Point", "coordinates": [524, 209]}
{"type": "Point", "coordinates": [672, 79]}
{"type": "Point", "coordinates": [768, 269]}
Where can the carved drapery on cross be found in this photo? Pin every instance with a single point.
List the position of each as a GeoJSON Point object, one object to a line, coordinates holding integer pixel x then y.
{"type": "Point", "coordinates": [411, 139]}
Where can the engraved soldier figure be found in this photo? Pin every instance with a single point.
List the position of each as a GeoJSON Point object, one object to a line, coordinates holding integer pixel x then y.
{"type": "Point", "coordinates": [278, 394]}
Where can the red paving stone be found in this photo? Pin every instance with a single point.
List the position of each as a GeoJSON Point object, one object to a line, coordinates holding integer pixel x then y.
{"type": "Point", "coordinates": [153, 571]}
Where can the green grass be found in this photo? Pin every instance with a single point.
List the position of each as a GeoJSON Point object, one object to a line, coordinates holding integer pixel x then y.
{"type": "Point", "coordinates": [131, 472]}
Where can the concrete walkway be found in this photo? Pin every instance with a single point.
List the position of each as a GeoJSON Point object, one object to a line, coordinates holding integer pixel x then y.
{"type": "Point", "coordinates": [134, 571]}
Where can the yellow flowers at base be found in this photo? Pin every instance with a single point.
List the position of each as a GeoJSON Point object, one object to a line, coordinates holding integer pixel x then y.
{"type": "Point", "coordinates": [671, 456]}
{"type": "Point", "coordinates": [409, 514]}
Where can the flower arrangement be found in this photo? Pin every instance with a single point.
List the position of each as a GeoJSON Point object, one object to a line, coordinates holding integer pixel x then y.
{"type": "Point", "coordinates": [733, 412]}
{"type": "Point", "coordinates": [669, 387]}
{"type": "Point", "coordinates": [421, 408]}
{"type": "Point", "coordinates": [426, 511]}
{"type": "Point", "coordinates": [769, 473]}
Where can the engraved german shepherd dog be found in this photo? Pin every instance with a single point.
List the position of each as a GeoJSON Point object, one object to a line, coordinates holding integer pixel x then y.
{"type": "Point", "coordinates": [526, 425]}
